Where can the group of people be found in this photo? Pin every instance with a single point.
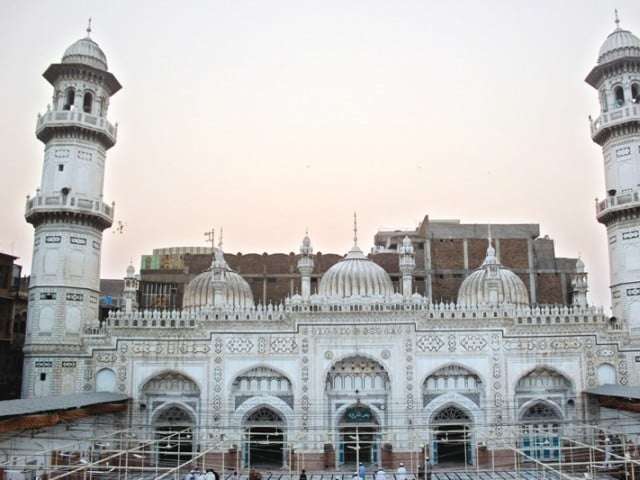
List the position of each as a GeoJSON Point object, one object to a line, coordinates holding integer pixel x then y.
{"type": "Point", "coordinates": [210, 474]}
{"type": "Point", "coordinates": [401, 472]}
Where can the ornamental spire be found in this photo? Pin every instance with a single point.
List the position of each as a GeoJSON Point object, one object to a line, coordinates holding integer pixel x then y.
{"type": "Point", "coordinates": [355, 228]}
{"type": "Point", "coordinates": [617, 20]}
{"type": "Point", "coordinates": [89, 28]}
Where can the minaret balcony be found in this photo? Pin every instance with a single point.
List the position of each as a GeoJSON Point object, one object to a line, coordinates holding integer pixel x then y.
{"type": "Point", "coordinates": [626, 112]}
{"type": "Point", "coordinates": [53, 120]}
{"type": "Point", "coordinates": [58, 205]}
{"type": "Point", "coordinates": [617, 204]}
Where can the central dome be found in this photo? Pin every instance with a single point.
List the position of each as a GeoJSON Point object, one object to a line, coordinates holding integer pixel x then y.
{"type": "Point", "coordinates": [86, 52]}
{"type": "Point", "coordinates": [355, 275]}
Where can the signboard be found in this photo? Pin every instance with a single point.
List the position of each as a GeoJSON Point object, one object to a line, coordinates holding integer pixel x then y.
{"type": "Point", "coordinates": [358, 415]}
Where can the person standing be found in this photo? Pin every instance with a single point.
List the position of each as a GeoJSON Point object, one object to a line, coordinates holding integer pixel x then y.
{"type": "Point", "coordinates": [361, 470]}
{"type": "Point", "coordinates": [401, 472]}
{"type": "Point", "coordinates": [303, 475]}
{"type": "Point", "coordinates": [428, 468]}
{"type": "Point", "coordinates": [381, 475]}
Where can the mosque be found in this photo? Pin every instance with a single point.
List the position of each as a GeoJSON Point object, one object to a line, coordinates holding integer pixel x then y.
{"type": "Point", "coordinates": [352, 364]}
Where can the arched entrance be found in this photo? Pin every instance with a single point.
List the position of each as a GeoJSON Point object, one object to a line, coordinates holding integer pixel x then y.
{"type": "Point", "coordinates": [174, 432]}
{"type": "Point", "coordinates": [545, 399]}
{"type": "Point", "coordinates": [172, 401]}
{"type": "Point", "coordinates": [358, 432]}
{"type": "Point", "coordinates": [452, 437]}
{"type": "Point", "coordinates": [264, 445]}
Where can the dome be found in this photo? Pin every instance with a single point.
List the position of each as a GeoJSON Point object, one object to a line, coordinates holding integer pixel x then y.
{"type": "Point", "coordinates": [492, 284]}
{"type": "Point", "coordinates": [236, 291]}
{"type": "Point", "coordinates": [131, 271]}
{"type": "Point", "coordinates": [87, 52]}
{"type": "Point", "coordinates": [620, 43]}
{"type": "Point", "coordinates": [355, 275]}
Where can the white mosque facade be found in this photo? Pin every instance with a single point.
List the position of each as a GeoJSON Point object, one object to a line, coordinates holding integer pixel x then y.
{"type": "Point", "coordinates": [355, 372]}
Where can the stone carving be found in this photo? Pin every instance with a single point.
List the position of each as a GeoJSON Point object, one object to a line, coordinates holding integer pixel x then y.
{"type": "Point", "coordinates": [240, 345]}
{"type": "Point", "coordinates": [452, 343]}
{"type": "Point", "coordinates": [328, 354]}
{"type": "Point", "coordinates": [283, 345]}
{"type": "Point", "coordinates": [385, 354]}
{"type": "Point", "coordinates": [262, 345]}
{"type": "Point", "coordinates": [430, 344]}
{"type": "Point", "coordinates": [473, 343]}
{"type": "Point", "coordinates": [106, 357]}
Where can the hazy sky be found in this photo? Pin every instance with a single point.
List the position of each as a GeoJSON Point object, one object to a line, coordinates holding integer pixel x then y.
{"type": "Point", "coordinates": [271, 117]}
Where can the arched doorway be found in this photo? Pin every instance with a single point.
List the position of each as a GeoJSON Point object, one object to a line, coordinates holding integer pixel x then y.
{"type": "Point", "coordinates": [452, 436]}
{"type": "Point", "coordinates": [172, 401]}
{"type": "Point", "coordinates": [545, 399]}
{"type": "Point", "coordinates": [174, 433]}
{"type": "Point", "coordinates": [363, 385]}
{"type": "Point", "coordinates": [539, 432]}
{"type": "Point", "coordinates": [264, 445]}
{"type": "Point", "coordinates": [358, 432]}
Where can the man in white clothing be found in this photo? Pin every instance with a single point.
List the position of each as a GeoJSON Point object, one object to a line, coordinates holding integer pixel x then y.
{"type": "Point", "coordinates": [401, 472]}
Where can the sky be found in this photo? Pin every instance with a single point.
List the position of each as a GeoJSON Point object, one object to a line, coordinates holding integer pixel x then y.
{"type": "Point", "coordinates": [271, 118]}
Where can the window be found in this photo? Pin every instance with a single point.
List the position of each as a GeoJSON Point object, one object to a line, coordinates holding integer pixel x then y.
{"type": "Point", "coordinates": [60, 167]}
{"type": "Point", "coordinates": [43, 377]}
{"type": "Point", "coordinates": [635, 93]}
{"type": "Point", "coordinates": [87, 102]}
{"type": "Point", "coordinates": [70, 99]}
{"type": "Point", "coordinates": [619, 94]}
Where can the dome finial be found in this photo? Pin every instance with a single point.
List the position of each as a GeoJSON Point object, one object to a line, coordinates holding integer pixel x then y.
{"type": "Point", "coordinates": [220, 240]}
{"type": "Point", "coordinates": [89, 28]}
{"type": "Point", "coordinates": [617, 20]}
{"type": "Point", "coordinates": [355, 228]}
{"type": "Point", "coordinates": [489, 234]}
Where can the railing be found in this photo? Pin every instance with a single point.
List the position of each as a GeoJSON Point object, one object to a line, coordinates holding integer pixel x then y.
{"type": "Point", "coordinates": [614, 116]}
{"type": "Point", "coordinates": [622, 200]}
{"type": "Point", "coordinates": [56, 200]}
{"type": "Point", "coordinates": [76, 116]}
{"type": "Point", "coordinates": [518, 316]}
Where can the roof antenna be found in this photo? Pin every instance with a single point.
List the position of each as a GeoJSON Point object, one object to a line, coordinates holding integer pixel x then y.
{"type": "Point", "coordinates": [617, 19]}
{"type": "Point", "coordinates": [89, 27]}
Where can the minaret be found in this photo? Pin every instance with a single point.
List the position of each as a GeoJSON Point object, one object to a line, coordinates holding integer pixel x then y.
{"type": "Point", "coordinates": [407, 265]}
{"type": "Point", "coordinates": [580, 285]}
{"type": "Point", "coordinates": [305, 267]}
{"type": "Point", "coordinates": [617, 130]}
{"type": "Point", "coordinates": [69, 215]}
{"type": "Point", "coordinates": [131, 285]}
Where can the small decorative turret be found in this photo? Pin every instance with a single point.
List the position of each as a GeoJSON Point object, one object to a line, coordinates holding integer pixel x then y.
{"type": "Point", "coordinates": [305, 266]}
{"type": "Point", "coordinates": [131, 285]}
{"type": "Point", "coordinates": [407, 265]}
{"type": "Point", "coordinates": [219, 269]}
{"type": "Point", "coordinates": [580, 285]}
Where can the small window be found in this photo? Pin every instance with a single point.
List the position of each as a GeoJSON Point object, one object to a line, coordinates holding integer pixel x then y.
{"type": "Point", "coordinates": [70, 99]}
{"type": "Point", "coordinates": [43, 377]}
{"type": "Point", "coordinates": [635, 93]}
{"type": "Point", "coordinates": [619, 93]}
{"type": "Point", "coordinates": [87, 103]}
{"type": "Point", "coordinates": [60, 167]}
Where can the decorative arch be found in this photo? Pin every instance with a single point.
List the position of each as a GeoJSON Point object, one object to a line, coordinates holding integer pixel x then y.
{"type": "Point", "coordinates": [540, 430]}
{"type": "Point", "coordinates": [453, 399]}
{"type": "Point", "coordinates": [261, 380]}
{"type": "Point", "coordinates": [254, 403]}
{"type": "Point", "coordinates": [357, 372]}
{"type": "Point", "coordinates": [606, 374]}
{"type": "Point", "coordinates": [170, 381]}
{"type": "Point", "coordinates": [542, 378]}
{"type": "Point", "coordinates": [174, 413]}
{"type": "Point", "coordinates": [106, 380]}
{"type": "Point", "coordinates": [453, 378]}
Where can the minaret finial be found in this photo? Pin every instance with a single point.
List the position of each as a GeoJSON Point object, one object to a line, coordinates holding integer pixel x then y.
{"type": "Point", "coordinates": [220, 240]}
{"type": "Point", "coordinates": [489, 234]}
{"type": "Point", "coordinates": [355, 228]}
{"type": "Point", "coordinates": [89, 28]}
{"type": "Point", "coordinates": [617, 19]}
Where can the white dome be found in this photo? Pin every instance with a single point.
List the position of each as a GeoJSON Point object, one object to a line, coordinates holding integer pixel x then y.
{"type": "Point", "coordinates": [87, 52]}
{"type": "Point", "coordinates": [492, 284]}
{"type": "Point", "coordinates": [620, 43]}
{"type": "Point", "coordinates": [199, 291]}
{"type": "Point", "coordinates": [355, 275]}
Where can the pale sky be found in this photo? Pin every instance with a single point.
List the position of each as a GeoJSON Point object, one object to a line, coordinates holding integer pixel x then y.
{"type": "Point", "coordinates": [273, 117]}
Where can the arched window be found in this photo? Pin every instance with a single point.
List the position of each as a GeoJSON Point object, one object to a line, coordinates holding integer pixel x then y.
{"type": "Point", "coordinates": [87, 102]}
{"type": "Point", "coordinates": [635, 93]}
{"type": "Point", "coordinates": [619, 94]}
{"type": "Point", "coordinates": [70, 99]}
